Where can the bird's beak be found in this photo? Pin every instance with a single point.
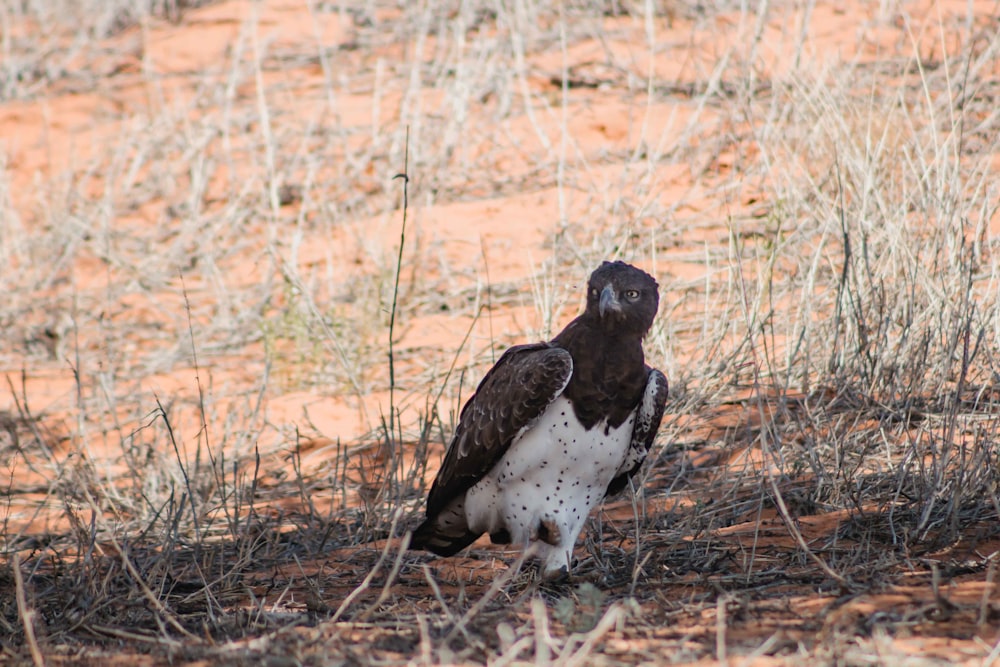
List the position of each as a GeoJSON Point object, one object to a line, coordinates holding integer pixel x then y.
{"type": "Point", "coordinates": [608, 301]}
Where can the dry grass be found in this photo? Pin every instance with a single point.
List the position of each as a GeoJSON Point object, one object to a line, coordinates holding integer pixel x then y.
{"type": "Point", "coordinates": [214, 237]}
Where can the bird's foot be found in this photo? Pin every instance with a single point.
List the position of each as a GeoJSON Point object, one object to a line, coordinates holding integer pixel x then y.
{"type": "Point", "coordinates": [557, 576]}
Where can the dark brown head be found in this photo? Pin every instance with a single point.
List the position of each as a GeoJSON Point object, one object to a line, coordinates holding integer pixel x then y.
{"type": "Point", "coordinates": [622, 298]}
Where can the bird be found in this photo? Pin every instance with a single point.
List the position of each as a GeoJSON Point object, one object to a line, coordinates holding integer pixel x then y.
{"type": "Point", "coordinates": [552, 429]}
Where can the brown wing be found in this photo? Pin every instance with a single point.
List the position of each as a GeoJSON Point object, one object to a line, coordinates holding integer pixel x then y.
{"type": "Point", "coordinates": [510, 398]}
{"type": "Point", "coordinates": [648, 414]}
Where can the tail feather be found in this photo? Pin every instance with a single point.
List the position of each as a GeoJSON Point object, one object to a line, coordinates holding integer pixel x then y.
{"type": "Point", "coordinates": [445, 534]}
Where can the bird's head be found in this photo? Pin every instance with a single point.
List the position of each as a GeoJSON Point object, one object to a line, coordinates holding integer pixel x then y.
{"type": "Point", "coordinates": [622, 298]}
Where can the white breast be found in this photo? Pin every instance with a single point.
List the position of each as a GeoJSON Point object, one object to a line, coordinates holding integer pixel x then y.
{"type": "Point", "coordinates": [555, 472]}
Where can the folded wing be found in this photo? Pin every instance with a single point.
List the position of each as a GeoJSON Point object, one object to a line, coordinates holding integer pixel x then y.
{"type": "Point", "coordinates": [648, 415]}
{"type": "Point", "coordinates": [510, 398]}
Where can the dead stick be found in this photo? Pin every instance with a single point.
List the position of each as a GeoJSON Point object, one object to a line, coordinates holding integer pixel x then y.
{"type": "Point", "coordinates": [27, 615]}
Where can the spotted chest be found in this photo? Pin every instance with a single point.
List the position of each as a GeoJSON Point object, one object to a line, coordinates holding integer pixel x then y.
{"type": "Point", "coordinates": [549, 480]}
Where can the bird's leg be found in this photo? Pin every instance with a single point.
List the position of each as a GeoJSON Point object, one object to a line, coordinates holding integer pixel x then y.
{"type": "Point", "coordinates": [554, 560]}
{"type": "Point", "coordinates": [556, 565]}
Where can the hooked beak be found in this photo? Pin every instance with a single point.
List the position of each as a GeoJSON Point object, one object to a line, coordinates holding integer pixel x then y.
{"type": "Point", "coordinates": [608, 302]}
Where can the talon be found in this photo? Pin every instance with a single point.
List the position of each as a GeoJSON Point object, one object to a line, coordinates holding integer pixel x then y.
{"type": "Point", "coordinates": [556, 576]}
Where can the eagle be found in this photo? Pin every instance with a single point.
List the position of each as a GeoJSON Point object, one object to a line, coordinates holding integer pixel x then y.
{"type": "Point", "coordinates": [552, 429]}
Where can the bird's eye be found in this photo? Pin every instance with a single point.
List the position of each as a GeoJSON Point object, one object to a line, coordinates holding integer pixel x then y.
{"type": "Point", "coordinates": [632, 294]}
{"type": "Point", "coordinates": [593, 292]}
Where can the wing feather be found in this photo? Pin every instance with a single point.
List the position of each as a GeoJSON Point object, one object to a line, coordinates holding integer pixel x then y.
{"type": "Point", "coordinates": [648, 415]}
{"type": "Point", "coordinates": [509, 399]}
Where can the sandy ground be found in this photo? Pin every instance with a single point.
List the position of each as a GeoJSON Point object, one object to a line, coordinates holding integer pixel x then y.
{"type": "Point", "coordinates": [202, 222]}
